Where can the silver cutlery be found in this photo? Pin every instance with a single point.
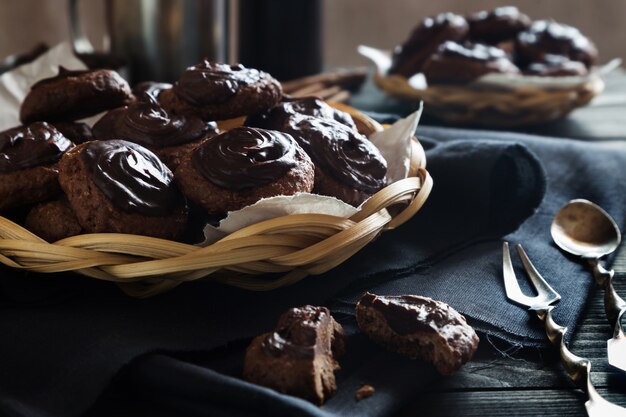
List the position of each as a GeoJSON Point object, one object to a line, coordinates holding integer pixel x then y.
{"type": "Point", "coordinates": [584, 229]}
{"type": "Point", "coordinates": [578, 369]}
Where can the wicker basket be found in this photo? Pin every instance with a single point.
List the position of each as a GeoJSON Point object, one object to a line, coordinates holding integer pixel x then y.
{"type": "Point", "coordinates": [486, 105]}
{"type": "Point", "coordinates": [458, 104]}
{"type": "Point", "coordinates": [294, 245]}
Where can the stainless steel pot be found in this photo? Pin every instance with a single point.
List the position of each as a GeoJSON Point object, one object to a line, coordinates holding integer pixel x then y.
{"type": "Point", "coordinates": [158, 39]}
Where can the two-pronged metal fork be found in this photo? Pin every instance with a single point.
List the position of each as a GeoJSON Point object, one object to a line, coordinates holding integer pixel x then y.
{"type": "Point", "coordinates": [577, 368]}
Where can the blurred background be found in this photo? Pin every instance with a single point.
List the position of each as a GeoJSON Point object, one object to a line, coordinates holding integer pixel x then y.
{"type": "Point", "coordinates": [343, 24]}
{"type": "Point", "coordinates": [385, 23]}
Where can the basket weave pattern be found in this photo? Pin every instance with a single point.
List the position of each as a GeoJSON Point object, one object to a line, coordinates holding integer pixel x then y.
{"type": "Point", "coordinates": [294, 245]}
{"type": "Point", "coordinates": [493, 107]}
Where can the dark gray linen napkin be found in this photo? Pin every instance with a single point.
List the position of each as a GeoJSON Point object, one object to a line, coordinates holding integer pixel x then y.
{"type": "Point", "coordinates": [574, 169]}
{"type": "Point", "coordinates": [65, 337]}
{"type": "Point", "coordinates": [466, 274]}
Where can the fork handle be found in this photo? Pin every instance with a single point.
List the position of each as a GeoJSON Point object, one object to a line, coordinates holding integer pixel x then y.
{"type": "Point", "coordinates": [576, 367]}
{"type": "Point", "coordinates": [614, 305]}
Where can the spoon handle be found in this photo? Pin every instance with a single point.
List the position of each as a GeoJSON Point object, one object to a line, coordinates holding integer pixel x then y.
{"type": "Point", "coordinates": [614, 305]}
{"type": "Point", "coordinates": [578, 368]}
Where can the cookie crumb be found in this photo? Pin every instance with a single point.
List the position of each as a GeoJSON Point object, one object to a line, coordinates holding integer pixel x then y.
{"type": "Point", "coordinates": [364, 392]}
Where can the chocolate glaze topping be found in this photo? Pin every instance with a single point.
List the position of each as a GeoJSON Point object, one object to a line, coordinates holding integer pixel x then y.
{"type": "Point", "coordinates": [147, 89]}
{"type": "Point", "coordinates": [475, 52]}
{"type": "Point", "coordinates": [132, 177]}
{"type": "Point", "coordinates": [497, 25]}
{"type": "Point", "coordinates": [556, 66]}
{"type": "Point", "coordinates": [63, 73]}
{"type": "Point", "coordinates": [424, 39]}
{"type": "Point", "coordinates": [340, 151]}
{"type": "Point", "coordinates": [455, 63]}
{"type": "Point", "coordinates": [548, 37]}
{"type": "Point", "coordinates": [27, 146]}
{"type": "Point", "coordinates": [214, 83]}
{"type": "Point", "coordinates": [296, 333]}
{"type": "Point", "coordinates": [245, 157]}
{"type": "Point", "coordinates": [277, 116]}
{"type": "Point", "coordinates": [407, 314]}
{"type": "Point", "coordinates": [146, 123]}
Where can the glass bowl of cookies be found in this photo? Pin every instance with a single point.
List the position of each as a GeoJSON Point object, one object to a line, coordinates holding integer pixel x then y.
{"type": "Point", "coordinates": [218, 176]}
{"type": "Point", "coordinates": [492, 68]}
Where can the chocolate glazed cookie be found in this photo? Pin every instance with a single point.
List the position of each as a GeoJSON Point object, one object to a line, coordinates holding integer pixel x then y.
{"type": "Point", "coordinates": [409, 57]}
{"type": "Point", "coordinates": [551, 38]}
{"type": "Point", "coordinates": [243, 165]}
{"type": "Point", "coordinates": [121, 187]}
{"type": "Point", "coordinates": [299, 357]}
{"type": "Point", "coordinates": [72, 95]}
{"type": "Point", "coordinates": [53, 220]}
{"type": "Point", "coordinates": [214, 91]}
{"type": "Point", "coordinates": [556, 66]}
{"type": "Point", "coordinates": [75, 131]}
{"type": "Point", "coordinates": [168, 135]}
{"type": "Point", "coordinates": [144, 90]}
{"type": "Point", "coordinates": [278, 115]}
{"type": "Point", "coordinates": [498, 25]}
{"type": "Point", "coordinates": [28, 164]}
{"type": "Point", "coordinates": [347, 165]}
{"type": "Point", "coordinates": [418, 327]}
{"type": "Point", "coordinates": [458, 64]}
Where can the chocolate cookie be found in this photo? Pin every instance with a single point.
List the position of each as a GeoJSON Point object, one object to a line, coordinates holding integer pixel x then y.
{"type": "Point", "coordinates": [551, 38]}
{"type": "Point", "coordinates": [28, 164]}
{"type": "Point", "coordinates": [299, 356]}
{"type": "Point", "coordinates": [347, 165]}
{"type": "Point", "coordinates": [458, 64]}
{"type": "Point", "coordinates": [409, 57]}
{"type": "Point", "coordinates": [498, 25]}
{"type": "Point", "coordinates": [243, 165]}
{"type": "Point", "coordinates": [74, 131]}
{"type": "Point", "coordinates": [168, 135]}
{"type": "Point", "coordinates": [418, 327]}
{"type": "Point", "coordinates": [214, 91]}
{"type": "Point", "coordinates": [556, 66]}
{"type": "Point", "coordinates": [146, 89]}
{"type": "Point", "coordinates": [121, 187]}
{"type": "Point", "coordinates": [73, 95]}
{"type": "Point", "coordinates": [276, 117]}
{"type": "Point", "coordinates": [53, 220]}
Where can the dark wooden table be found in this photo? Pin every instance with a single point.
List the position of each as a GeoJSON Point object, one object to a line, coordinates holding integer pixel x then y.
{"type": "Point", "coordinates": [508, 381]}
{"type": "Point", "coordinates": [504, 381]}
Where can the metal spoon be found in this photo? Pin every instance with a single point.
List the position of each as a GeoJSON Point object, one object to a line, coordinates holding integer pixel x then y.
{"type": "Point", "coordinates": [584, 229]}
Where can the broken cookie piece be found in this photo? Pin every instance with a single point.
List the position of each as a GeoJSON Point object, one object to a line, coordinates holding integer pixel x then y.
{"type": "Point", "coordinates": [418, 327]}
{"type": "Point", "coordinates": [299, 357]}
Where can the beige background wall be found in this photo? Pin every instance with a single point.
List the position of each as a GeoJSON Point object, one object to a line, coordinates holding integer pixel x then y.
{"type": "Point", "coordinates": [385, 23]}
{"type": "Point", "coordinates": [346, 22]}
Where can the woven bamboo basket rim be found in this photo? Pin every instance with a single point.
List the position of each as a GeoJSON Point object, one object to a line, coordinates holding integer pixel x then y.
{"type": "Point", "coordinates": [524, 105]}
{"type": "Point", "coordinates": [294, 245]}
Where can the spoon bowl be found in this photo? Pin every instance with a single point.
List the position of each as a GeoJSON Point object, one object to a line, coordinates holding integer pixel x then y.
{"type": "Point", "coordinates": [584, 229]}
